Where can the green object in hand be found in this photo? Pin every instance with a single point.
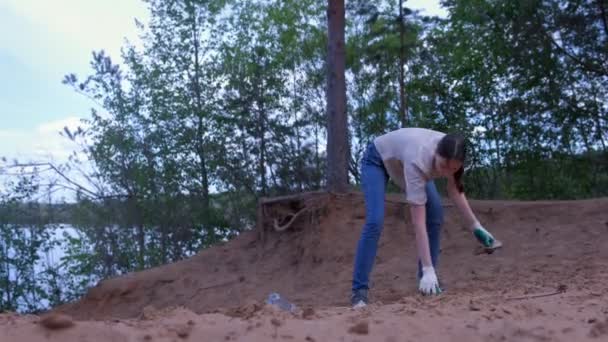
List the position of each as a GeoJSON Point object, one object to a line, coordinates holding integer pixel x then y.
{"type": "Point", "coordinates": [438, 289]}
{"type": "Point", "coordinates": [484, 237]}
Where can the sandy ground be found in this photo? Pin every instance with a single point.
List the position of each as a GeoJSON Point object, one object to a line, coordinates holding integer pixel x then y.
{"type": "Point", "coordinates": [569, 316]}
{"type": "Point", "coordinates": [548, 283]}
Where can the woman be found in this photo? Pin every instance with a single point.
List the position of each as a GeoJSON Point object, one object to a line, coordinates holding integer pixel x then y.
{"type": "Point", "coordinates": [412, 157]}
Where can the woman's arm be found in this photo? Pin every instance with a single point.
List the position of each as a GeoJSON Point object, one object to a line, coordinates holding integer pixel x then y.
{"type": "Point", "coordinates": [481, 234]}
{"type": "Point", "coordinates": [418, 213]}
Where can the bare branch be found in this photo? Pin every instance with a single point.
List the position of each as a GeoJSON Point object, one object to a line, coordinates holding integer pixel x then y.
{"type": "Point", "coordinates": [587, 66]}
{"type": "Point", "coordinates": [58, 171]}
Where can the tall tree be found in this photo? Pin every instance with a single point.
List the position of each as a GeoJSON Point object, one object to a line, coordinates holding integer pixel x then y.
{"type": "Point", "coordinates": [402, 95]}
{"type": "Point", "coordinates": [338, 151]}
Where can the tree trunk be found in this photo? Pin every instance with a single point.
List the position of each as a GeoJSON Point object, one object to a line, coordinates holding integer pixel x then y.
{"type": "Point", "coordinates": [337, 134]}
{"type": "Point", "coordinates": [604, 17]}
{"type": "Point", "coordinates": [318, 179]}
{"type": "Point", "coordinates": [200, 148]}
{"type": "Point", "coordinates": [259, 92]}
{"type": "Point", "coordinates": [141, 241]}
{"type": "Point", "coordinates": [299, 155]}
{"type": "Point", "coordinates": [402, 98]}
{"type": "Point", "coordinates": [7, 278]}
{"type": "Point", "coordinates": [261, 136]}
{"type": "Point", "coordinates": [598, 123]}
{"type": "Point", "coordinates": [164, 236]}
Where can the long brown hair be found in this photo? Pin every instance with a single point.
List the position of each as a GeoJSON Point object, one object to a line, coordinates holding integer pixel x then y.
{"type": "Point", "coordinates": [453, 147]}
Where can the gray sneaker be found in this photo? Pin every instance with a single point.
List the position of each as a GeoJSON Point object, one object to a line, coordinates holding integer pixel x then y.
{"type": "Point", "coordinates": [358, 298]}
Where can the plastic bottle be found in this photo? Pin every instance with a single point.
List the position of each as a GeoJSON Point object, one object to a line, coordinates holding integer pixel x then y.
{"type": "Point", "coordinates": [280, 302]}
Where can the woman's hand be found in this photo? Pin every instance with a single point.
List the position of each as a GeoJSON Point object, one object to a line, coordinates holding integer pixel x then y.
{"type": "Point", "coordinates": [483, 236]}
{"type": "Point", "coordinates": [429, 284]}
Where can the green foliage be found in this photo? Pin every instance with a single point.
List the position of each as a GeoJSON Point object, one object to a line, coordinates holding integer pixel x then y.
{"type": "Point", "coordinates": [28, 280]}
{"type": "Point", "coordinates": [528, 73]}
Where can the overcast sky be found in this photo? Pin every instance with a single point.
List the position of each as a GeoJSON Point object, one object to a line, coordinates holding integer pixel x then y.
{"type": "Point", "coordinates": [40, 42]}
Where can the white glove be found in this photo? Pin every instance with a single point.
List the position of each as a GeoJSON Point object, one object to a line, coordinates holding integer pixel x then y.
{"type": "Point", "coordinates": [483, 236]}
{"type": "Point", "coordinates": [429, 283]}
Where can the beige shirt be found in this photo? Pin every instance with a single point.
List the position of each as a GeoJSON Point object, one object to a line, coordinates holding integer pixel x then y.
{"type": "Point", "coordinates": [408, 155]}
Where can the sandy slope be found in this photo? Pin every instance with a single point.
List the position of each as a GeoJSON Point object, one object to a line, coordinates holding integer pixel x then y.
{"type": "Point", "coordinates": [547, 284]}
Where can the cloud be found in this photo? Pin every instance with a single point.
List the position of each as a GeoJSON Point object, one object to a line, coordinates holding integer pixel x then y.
{"type": "Point", "coordinates": [44, 143]}
{"type": "Point", "coordinates": [427, 7]}
{"type": "Point", "coordinates": [66, 31]}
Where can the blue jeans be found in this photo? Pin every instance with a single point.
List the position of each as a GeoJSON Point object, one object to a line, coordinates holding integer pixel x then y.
{"type": "Point", "coordinates": [374, 178]}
